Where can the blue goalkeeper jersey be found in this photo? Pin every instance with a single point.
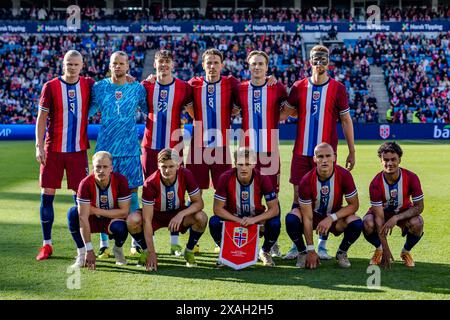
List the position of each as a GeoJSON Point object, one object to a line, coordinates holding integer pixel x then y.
{"type": "Point", "coordinates": [118, 105]}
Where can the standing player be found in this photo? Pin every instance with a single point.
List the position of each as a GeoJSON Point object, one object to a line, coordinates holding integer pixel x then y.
{"type": "Point", "coordinates": [318, 102]}
{"type": "Point", "coordinates": [63, 111]}
{"type": "Point", "coordinates": [239, 198]}
{"type": "Point", "coordinates": [118, 102]}
{"type": "Point", "coordinates": [211, 109]}
{"type": "Point", "coordinates": [397, 199]}
{"type": "Point", "coordinates": [261, 107]}
{"type": "Point", "coordinates": [320, 195]}
{"type": "Point", "coordinates": [103, 205]}
{"type": "Point", "coordinates": [163, 205]}
{"type": "Point", "coordinates": [165, 97]}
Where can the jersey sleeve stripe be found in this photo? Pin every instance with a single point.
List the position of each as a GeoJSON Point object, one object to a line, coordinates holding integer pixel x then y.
{"type": "Point", "coordinates": [216, 196]}
{"type": "Point", "coordinates": [344, 111]}
{"type": "Point", "coordinates": [148, 203]}
{"type": "Point", "coordinates": [43, 109]}
{"type": "Point", "coordinates": [84, 200]}
{"type": "Point", "coordinates": [124, 198]}
{"type": "Point", "coordinates": [304, 201]}
{"type": "Point", "coordinates": [376, 204]}
{"type": "Point", "coordinates": [418, 198]}
{"type": "Point", "coordinates": [351, 195]}
{"type": "Point", "coordinates": [194, 192]}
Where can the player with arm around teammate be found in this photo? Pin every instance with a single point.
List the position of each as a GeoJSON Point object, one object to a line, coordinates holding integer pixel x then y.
{"type": "Point", "coordinates": [320, 196]}
{"type": "Point", "coordinates": [318, 102]}
{"type": "Point", "coordinates": [62, 119]}
{"type": "Point", "coordinates": [396, 198]}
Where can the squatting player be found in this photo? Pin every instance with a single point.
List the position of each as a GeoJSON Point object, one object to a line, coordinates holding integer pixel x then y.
{"type": "Point", "coordinates": [166, 98]}
{"type": "Point", "coordinates": [63, 111]}
{"type": "Point", "coordinates": [118, 102]}
{"type": "Point", "coordinates": [320, 196]}
{"type": "Point", "coordinates": [396, 198]}
{"type": "Point", "coordinates": [239, 198]}
{"type": "Point", "coordinates": [163, 205]}
{"type": "Point", "coordinates": [103, 205]}
{"type": "Point", "coordinates": [318, 102]}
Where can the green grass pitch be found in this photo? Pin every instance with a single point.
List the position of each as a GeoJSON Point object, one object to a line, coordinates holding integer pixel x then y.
{"type": "Point", "coordinates": [22, 277]}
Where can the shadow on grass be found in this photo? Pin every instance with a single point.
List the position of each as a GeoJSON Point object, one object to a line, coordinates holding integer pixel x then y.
{"type": "Point", "coordinates": [426, 277]}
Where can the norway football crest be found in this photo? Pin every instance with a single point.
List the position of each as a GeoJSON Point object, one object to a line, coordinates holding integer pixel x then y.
{"type": "Point", "coordinates": [170, 195]}
{"type": "Point", "coordinates": [211, 89]}
{"type": "Point", "coordinates": [256, 94]}
{"type": "Point", "coordinates": [103, 199]}
{"type": "Point", "coordinates": [118, 95]}
{"type": "Point", "coordinates": [240, 236]}
{"type": "Point", "coordinates": [325, 190]}
{"type": "Point", "coordinates": [244, 195]}
{"type": "Point", "coordinates": [71, 93]}
{"type": "Point", "coordinates": [163, 94]}
{"type": "Point", "coordinates": [385, 131]}
{"type": "Point", "coordinates": [316, 95]}
{"type": "Point", "coordinates": [394, 193]}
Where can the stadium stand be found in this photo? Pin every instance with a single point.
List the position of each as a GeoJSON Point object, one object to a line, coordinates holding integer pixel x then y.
{"type": "Point", "coordinates": [156, 13]}
{"type": "Point", "coordinates": [29, 61]}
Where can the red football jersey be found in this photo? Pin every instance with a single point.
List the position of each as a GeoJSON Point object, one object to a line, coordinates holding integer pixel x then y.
{"type": "Point", "coordinates": [326, 197]}
{"type": "Point", "coordinates": [244, 200]}
{"type": "Point", "coordinates": [318, 109]}
{"type": "Point", "coordinates": [212, 104]}
{"type": "Point", "coordinates": [165, 103]}
{"type": "Point", "coordinates": [261, 114]}
{"type": "Point", "coordinates": [395, 198]}
{"type": "Point", "coordinates": [168, 198]}
{"type": "Point", "coordinates": [108, 199]}
{"type": "Point", "coordinates": [68, 108]}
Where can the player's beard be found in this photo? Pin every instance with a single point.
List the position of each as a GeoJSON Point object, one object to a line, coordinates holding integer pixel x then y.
{"type": "Point", "coordinates": [119, 74]}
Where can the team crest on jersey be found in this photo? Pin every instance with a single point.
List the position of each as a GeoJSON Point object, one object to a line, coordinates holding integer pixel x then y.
{"type": "Point", "coordinates": [170, 195]}
{"type": "Point", "coordinates": [71, 93]}
{"type": "Point", "coordinates": [256, 94]}
{"type": "Point", "coordinates": [103, 199]}
{"type": "Point", "coordinates": [118, 95]}
{"type": "Point", "coordinates": [316, 95]}
{"type": "Point", "coordinates": [385, 131]}
{"type": "Point", "coordinates": [163, 94]}
{"type": "Point", "coordinates": [394, 193]}
{"type": "Point", "coordinates": [325, 190]}
{"type": "Point", "coordinates": [244, 195]}
{"type": "Point", "coordinates": [211, 88]}
{"type": "Point", "coordinates": [240, 236]}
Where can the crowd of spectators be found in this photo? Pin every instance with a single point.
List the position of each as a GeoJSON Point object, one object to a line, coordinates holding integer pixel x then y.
{"type": "Point", "coordinates": [156, 13]}
{"type": "Point", "coordinates": [29, 61]}
{"type": "Point", "coordinates": [417, 74]}
{"type": "Point", "coordinates": [416, 67]}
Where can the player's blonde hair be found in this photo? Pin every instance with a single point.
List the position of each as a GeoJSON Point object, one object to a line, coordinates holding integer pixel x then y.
{"type": "Point", "coordinates": [258, 53]}
{"type": "Point", "coordinates": [73, 53]}
{"type": "Point", "coordinates": [102, 155]}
